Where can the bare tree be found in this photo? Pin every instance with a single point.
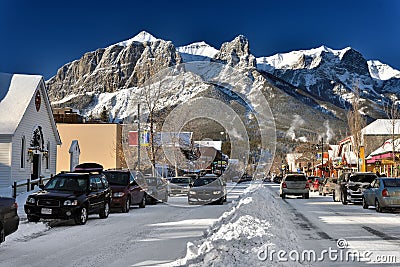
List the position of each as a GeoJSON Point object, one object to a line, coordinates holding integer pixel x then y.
{"type": "Point", "coordinates": [356, 122]}
{"type": "Point", "coordinates": [393, 114]}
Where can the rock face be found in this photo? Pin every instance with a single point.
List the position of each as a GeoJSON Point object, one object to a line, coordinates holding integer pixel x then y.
{"type": "Point", "coordinates": [236, 54]}
{"type": "Point", "coordinates": [317, 84]}
{"type": "Point", "coordinates": [110, 69]}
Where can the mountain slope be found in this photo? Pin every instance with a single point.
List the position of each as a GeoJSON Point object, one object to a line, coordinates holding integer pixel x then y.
{"type": "Point", "coordinates": [316, 84]}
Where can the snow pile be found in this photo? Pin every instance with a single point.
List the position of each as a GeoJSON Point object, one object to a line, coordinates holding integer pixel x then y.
{"type": "Point", "coordinates": [258, 220]}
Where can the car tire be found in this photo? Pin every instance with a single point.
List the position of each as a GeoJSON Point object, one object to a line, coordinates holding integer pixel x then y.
{"type": "Point", "coordinates": [307, 196]}
{"type": "Point", "coordinates": [344, 199]}
{"type": "Point", "coordinates": [364, 204]}
{"type": "Point", "coordinates": [221, 201]}
{"type": "Point", "coordinates": [378, 207]}
{"type": "Point", "coordinates": [81, 217]}
{"type": "Point", "coordinates": [319, 193]}
{"type": "Point", "coordinates": [283, 196]}
{"type": "Point", "coordinates": [333, 196]}
{"type": "Point", "coordinates": [324, 194]}
{"type": "Point", "coordinates": [32, 218]}
{"type": "Point", "coordinates": [127, 206]}
{"type": "Point", "coordinates": [106, 211]}
{"type": "Point", "coordinates": [142, 204]}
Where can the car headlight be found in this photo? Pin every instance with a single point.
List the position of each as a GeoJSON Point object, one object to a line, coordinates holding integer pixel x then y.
{"type": "Point", "coordinates": [69, 202]}
{"type": "Point", "coordinates": [118, 194]}
{"type": "Point", "coordinates": [216, 192]}
{"type": "Point", "coordinates": [31, 200]}
{"type": "Point", "coordinates": [192, 193]}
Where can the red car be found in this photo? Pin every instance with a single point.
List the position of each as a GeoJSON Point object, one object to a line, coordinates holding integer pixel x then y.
{"type": "Point", "coordinates": [126, 189]}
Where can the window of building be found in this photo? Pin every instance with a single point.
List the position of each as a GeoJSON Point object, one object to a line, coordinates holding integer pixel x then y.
{"type": "Point", "coordinates": [23, 152]}
{"type": "Point", "coordinates": [48, 156]}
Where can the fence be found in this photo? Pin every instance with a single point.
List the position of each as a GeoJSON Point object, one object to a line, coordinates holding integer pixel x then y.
{"type": "Point", "coordinates": [29, 184]}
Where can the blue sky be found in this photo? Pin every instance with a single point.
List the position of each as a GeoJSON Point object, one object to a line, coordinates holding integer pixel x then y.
{"type": "Point", "coordinates": [38, 37]}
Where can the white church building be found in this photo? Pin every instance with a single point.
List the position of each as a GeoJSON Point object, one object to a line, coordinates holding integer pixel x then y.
{"type": "Point", "coordinates": [28, 133]}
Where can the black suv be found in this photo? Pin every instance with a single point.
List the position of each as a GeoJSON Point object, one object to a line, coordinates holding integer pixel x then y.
{"type": "Point", "coordinates": [350, 186]}
{"type": "Point", "coordinates": [70, 196]}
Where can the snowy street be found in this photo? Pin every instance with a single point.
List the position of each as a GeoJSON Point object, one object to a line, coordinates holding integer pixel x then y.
{"type": "Point", "coordinates": [143, 237]}
{"type": "Point", "coordinates": [249, 230]}
{"type": "Point", "coordinates": [321, 222]}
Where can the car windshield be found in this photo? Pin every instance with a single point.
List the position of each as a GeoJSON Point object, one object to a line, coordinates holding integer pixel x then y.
{"type": "Point", "coordinates": [296, 178]}
{"type": "Point", "coordinates": [182, 180]}
{"type": "Point", "coordinates": [151, 181]}
{"type": "Point", "coordinates": [117, 178]}
{"type": "Point", "coordinates": [67, 183]}
{"type": "Point", "coordinates": [362, 178]}
{"type": "Point", "coordinates": [203, 181]}
{"type": "Point", "coordinates": [391, 182]}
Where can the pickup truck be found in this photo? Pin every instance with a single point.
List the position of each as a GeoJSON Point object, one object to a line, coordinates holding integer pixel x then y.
{"type": "Point", "coordinates": [9, 219]}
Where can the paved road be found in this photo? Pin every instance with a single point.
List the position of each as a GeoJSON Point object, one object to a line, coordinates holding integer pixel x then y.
{"type": "Point", "coordinates": [323, 222]}
{"type": "Point", "coordinates": [144, 237]}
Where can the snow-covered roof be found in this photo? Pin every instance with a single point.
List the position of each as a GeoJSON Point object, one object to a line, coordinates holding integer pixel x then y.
{"type": "Point", "coordinates": [382, 127]}
{"type": "Point", "coordinates": [215, 144]}
{"type": "Point", "coordinates": [16, 92]}
{"type": "Point", "coordinates": [387, 147]}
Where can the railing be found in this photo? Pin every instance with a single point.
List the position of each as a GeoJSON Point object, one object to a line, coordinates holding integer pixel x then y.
{"type": "Point", "coordinates": [29, 184]}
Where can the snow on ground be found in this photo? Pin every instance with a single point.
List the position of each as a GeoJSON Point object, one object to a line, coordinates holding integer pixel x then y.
{"type": "Point", "coordinates": [256, 223]}
{"type": "Point", "coordinates": [25, 230]}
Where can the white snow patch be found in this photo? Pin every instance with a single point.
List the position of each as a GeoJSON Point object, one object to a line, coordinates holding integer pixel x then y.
{"type": "Point", "coordinates": [258, 219]}
{"type": "Point", "coordinates": [381, 71]}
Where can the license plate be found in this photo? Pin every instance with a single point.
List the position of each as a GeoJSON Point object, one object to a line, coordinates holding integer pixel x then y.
{"type": "Point", "coordinates": [46, 211]}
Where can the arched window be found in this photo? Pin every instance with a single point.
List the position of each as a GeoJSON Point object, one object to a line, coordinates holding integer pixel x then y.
{"type": "Point", "coordinates": [48, 156]}
{"type": "Point", "coordinates": [23, 145]}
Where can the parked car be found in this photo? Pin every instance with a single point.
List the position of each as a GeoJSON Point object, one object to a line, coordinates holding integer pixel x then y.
{"type": "Point", "coordinates": [294, 184]}
{"type": "Point", "coordinates": [315, 183]}
{"type": "Point", "coordinates": [9, 219]}
{"type": "Point", "coordinates": [350, 186]}
{"type": "Point", "coordinates": [126, 187]}
{"type": "Point", "coordinates": [70, 196]}
{"type": "Point", "coordinates": [207, 189]}
{"type": "Point", "coordinates": [328, 186]}
{"type": "Point", "coordinates": [382, 193]}
{"type": "Point", "coordinates": [277, 179]}
{"type": "Point", "coordinates": [157, 189]}
{"type": "Point", "coordinates": [245, 178]}
{"type": "Point", "coordinates": [179, 185]}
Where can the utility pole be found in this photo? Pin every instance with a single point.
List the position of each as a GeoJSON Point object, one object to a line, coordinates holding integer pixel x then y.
{"type": "Point", "coordinates": [138, 136]}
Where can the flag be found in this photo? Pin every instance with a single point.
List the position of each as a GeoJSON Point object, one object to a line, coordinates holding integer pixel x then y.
{"type": "Point", "coordinates": [133, 138]}
{"type": "Point", "coordinates": [144, 138]}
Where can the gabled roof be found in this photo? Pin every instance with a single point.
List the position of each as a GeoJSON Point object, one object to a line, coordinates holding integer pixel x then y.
{"type": "Point", "coordinates": [16, 92]}
{"type": "Point", "coordinates": [382, 127]}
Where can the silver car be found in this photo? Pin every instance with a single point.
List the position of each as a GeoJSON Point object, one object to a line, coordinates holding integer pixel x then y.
{"type": "Point", "coordinates": [294, 184]}
{"type": "Point", "coordinates": [382, 193]}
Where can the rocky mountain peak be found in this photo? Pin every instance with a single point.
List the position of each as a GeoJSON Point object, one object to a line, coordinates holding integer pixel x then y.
{"type": "Point", "coordinates": [141, 37]}
{"type": "Point", "coordinates": [236, 53]}
{"type": "Point", "coordinates": [354, 62]}
{"type": "Point", "coordinates": [116, 67]}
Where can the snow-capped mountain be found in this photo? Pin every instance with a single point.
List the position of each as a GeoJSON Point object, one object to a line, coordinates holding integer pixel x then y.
{"type": "Point", "coordinates": [333, 75]}
{"type": "Point", "coordinates": [316, 84]}
{"type": "Point", "coordinates": [141, 37]}
{"type": "Point", "coordinates": [198, 49]}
